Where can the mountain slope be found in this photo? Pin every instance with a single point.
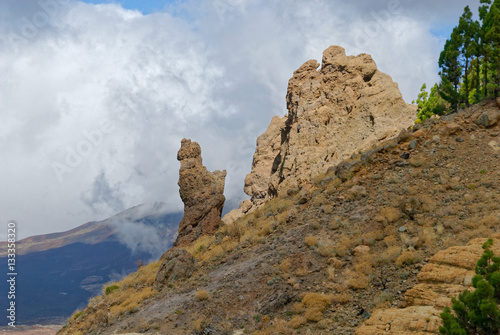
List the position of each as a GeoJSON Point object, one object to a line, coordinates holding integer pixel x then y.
{"type": "Point", "coordinates": [58, 273]}
{"type": "Point", "coordinates": [323, 259]}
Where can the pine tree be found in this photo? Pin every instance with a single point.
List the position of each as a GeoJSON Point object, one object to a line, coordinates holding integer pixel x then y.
{"type": "Point", "coordinates": [492, 38]}
{"type": "Point", "coordinates": [430, 104]}
{"type": "Point", "coordinates": [484, 47]}
{"type": "Point", "coordinates": [451, 70]}
{"type": "Point", "coordinates": [467, 29]}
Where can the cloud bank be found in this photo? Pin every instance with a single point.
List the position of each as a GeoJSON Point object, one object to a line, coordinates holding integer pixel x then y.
{"type": "Point", "coordinates": [95, 98]}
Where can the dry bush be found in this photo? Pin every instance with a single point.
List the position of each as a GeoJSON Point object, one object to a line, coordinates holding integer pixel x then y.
{"type": "Point", "coordinates": [311, 241]}
{"type": "Point", "coordinates": [229, 245]}
{"type": "Point", "coordinates": [277, 205]}
{"type": "Point", "coordinates": [326, 250]}
{"type": "Point", "coordinates": [278, 326]}
{"type": "Point", "coordinates": [490, 221]}
{"type": "Point", "coordinates": [408, 257]}
{"type": "Point", "coordinates": [235, 229]}
{"type": "Point", "coordinates": [341, 298]}
{"type": "Point", "coordinates": [343, 246]}
{"type": "Point", "coordinates": [128, 301]}
{"type": "Point", "coordinates": [301, 272]}
{"type": "Point", "coordinates": [336, 263]}
{"type": "Point", "coordinates": [320, 200]}
{"type": "Point", "coordinates": [331, 273]}
{"type": "Point", "coordinates": [297, 308]}
{"type": "Point", "coordinates": [202, 295]}
{"type": "Point", "coordinates": [391, 254]}
{"type": "Point", "coordinates": [266, 229]}
{"type": "Point", "coordinates": [409, 241]}
{"type": "Point", "coordinates": [364, 263]}
{"type": "Point", "coordinates": [286, 265]}
{"type": "Point", "coordinates": [211, 253]}
{"type": "Point", "coordinates": [316, 304]}
{"type": "Point", "coordinates": [390, 214]}
{"type": "Point", "coordinates": [371, 237]}
{"type": "Point", "coordinates": [287, 215]}
{"type": "Point", "coordinates": [145, 275]}
{"type": "Point", "coordinates": [469, 234]}
{"type": "Point", "coordinates": [391, 240]}
{"type": "Point", "coordinates": [250, 236]}
{"type": "Point", "coordinates": [314, 314]}
{"type": "Point", "coordinates": [317, 300]}
{"type": "Point", "coordinates": [297, 321]}
{"type": "Point", "coordinates": [427, 237]}
{"type": "Point", "coordinates": [200, 244]}
{"type": "Point", "coordinates": [383, 300]}
{"type": "Point", "coordinates": [355, 280]}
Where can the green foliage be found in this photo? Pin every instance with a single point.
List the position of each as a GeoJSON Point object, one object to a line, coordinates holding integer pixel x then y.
{"type": "Point", "coordinates": [110, 289]}
{"type": "Point", "coordinates": [469, 63]}
{"type": "Point", "coordinates": [430, 104]}
{"type": "Point", "coordinates": [477, 312]}
{"type": "Point", "coordinates": [77, 315]}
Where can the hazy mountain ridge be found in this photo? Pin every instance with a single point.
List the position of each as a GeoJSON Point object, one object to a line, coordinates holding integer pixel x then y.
{"type": "Point", "coordinates": [60, 272]}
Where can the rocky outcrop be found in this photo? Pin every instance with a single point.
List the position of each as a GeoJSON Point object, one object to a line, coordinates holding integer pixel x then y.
{"type": "Point", "coordinates": [176, 264]}
{"type": "Point", "coordinates": [202, 193]}
{"type": "Point", "coordinates": [447, 274]}
{"type": "Point", "coordinates": [346, 106]}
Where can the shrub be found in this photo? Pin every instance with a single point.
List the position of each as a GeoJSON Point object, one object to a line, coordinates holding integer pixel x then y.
{"type": "Point", "coordinates": [297, 321]}
{"type": "Point", "coordinates": [311, 241]}
{"type": "Point", "coordinates": [202, 295]}
{"type": "Point", "coordinates": [316, 304]}
{"type": "Point", "coordinates": [477, 312]}
{"type": "Point", "coordinates": [111, 289]}
{"type": "Point", "coordinates": [408, 258]}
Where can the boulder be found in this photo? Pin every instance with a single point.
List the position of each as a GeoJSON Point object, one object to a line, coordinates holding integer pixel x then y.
{"type": "Point", "coordinates": [176, 264]}
{"type": "Point", "coordinates": [488, 118]}
{"type": "Point", "coordinates": [202, 193]}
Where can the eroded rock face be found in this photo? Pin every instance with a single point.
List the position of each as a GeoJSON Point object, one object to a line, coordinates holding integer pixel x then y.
{"type": "Point", "coordinates": [176, 264]}
{"type": "Point", "coordinates": [202, 193]}
{"type": "Point", "coordinates": [345, 106]}
{"type": "Point", "coordinates": [448, 273]}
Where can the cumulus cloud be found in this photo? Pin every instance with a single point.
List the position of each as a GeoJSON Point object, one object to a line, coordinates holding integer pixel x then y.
{"type": "Point", "coordinates": [96, 98]}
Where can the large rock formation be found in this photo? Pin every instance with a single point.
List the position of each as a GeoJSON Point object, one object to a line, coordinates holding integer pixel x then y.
{"type": "Point", "coordinates": [202, 193]}
{"type": "Point", "coordinates": [448, 273]}
{"type": "Point", "coordinates": [344, 107]}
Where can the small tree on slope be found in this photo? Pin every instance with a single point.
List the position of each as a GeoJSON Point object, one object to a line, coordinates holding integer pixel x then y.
{"type": "Point", "coordinates": [477, 312]}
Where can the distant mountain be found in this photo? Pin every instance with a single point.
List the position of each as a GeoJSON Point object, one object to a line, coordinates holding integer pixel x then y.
{"type": "Point", "coordinates": [58, 273]}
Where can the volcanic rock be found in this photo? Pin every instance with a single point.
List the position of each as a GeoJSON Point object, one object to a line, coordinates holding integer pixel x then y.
{"type": "Point", "coordinates": [448, 273]}
{"type": "Point", "coordinates": [175, 264]}
{"type": "Point", "coordinates": [201, 192]}
{"type": "Point", "coordinates": [344, 107]}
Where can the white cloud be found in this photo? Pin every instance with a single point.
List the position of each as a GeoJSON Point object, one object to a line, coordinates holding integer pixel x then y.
{"type": "Point", "coordinates": [95, 100]}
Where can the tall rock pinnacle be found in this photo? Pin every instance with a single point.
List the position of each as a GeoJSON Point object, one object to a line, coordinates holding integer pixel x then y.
{"type": "Point", "coordinates": [345, 106]}
{"type": "Point", "coordinates": [202, 193]}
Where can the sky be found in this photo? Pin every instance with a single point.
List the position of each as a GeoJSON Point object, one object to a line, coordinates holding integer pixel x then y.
{"type": "Point", "coordinates": [97, 95]}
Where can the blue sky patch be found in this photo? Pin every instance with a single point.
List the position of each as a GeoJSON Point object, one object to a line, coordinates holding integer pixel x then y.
{"type": "Point", "coordinates": [144, 6]}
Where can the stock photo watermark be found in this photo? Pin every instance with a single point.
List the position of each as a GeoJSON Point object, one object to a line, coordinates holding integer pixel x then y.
{"type": "Point", "coordinates": [75, 155]}
{"type": "Point", "coordinates": [31, 26]}
{"type": "Point", "coordinates": [379, 21]}
{"type": "Point", "coordinates": [11, 272]}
